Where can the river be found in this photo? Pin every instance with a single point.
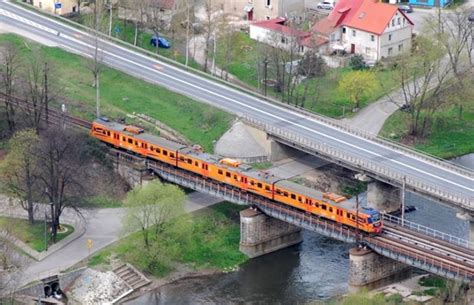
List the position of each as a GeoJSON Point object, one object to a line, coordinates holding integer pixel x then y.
{"type": "Point", "coordinates": [314, 270]}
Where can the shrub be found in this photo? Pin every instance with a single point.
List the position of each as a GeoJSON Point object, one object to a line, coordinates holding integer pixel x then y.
{"type": "Point", "coordinates": [357, 62]}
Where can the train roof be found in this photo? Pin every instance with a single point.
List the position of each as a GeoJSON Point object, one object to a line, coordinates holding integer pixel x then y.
{"type": "Point", "coordinates": [171, 145]}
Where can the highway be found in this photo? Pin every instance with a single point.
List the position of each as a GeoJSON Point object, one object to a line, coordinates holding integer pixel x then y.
{"type": "Point", "coordinates": [202, 89]}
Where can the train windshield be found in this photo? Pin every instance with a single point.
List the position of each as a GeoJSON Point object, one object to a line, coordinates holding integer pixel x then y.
{"type": "Point", "coordinates": [375, 217]}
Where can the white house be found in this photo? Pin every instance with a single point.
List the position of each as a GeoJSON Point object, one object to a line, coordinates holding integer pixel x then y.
{"type": "Point", "coordinates": [375, 30]}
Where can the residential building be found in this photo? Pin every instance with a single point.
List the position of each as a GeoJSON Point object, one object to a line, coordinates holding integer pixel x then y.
{"type": "Point", "coordinates": [60, 7]}
{"type": "Point", "coordinates": [278, 33]}
{"type": "Point", "coordinates": [375, 30]}
{"type": "Point", "coordinates": [262, 9]}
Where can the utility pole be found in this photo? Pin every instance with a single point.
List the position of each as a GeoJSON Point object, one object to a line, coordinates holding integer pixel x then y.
{"type": "Point", "coordinates": [265, 65]}
{"type": "Point", "coordinates": [110, 17]}
{"type": "Point", "coordinates": [403, 199]}
{"type": "Point", "coordinates": [357, 219]}
{"type": "Point", "coordinates": [214, 55]}
{"type": "Point", "coordinates": [45, 230]}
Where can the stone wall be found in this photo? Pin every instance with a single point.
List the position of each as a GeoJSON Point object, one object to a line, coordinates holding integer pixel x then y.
{"type": "Point", "coordinates": [383, 197]}
{"type": "Point", "coordinates": [367, 267]}
{"type": "Point", "coordinates": [260, 234]}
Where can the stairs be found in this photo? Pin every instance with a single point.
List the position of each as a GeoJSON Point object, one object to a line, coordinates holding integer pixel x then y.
{"type": "Point", "coordinates": [131, 276]}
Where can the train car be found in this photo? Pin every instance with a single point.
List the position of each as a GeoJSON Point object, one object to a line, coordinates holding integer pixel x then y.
{"type": "Point", "coordinates": [232, 172]}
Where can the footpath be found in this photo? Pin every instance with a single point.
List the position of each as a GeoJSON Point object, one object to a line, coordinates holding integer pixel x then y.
{"type": "Point", "coordinates": [102, 226]}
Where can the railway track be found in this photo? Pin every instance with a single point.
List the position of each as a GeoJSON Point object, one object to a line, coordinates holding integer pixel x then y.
{"type": "Point", "coordinates": [403, 241]}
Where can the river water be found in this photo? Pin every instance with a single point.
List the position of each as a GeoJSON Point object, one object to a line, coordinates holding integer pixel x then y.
{"type": "Point", "coordinates": [314, 270]}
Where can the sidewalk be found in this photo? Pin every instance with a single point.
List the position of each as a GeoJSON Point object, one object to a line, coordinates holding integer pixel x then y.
{"type": "Point", "coordinates": [102, 226]}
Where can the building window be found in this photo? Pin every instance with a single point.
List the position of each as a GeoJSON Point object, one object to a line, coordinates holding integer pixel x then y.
{"type": "Point", "coordinates": [268, 3]}
{"type": "Point", "coordinates": [400, 47]}
{"type": "Point", "coordinates": [283, 39]}
{"type": "Point", "coordinates": [353, 33]}
{"type": "Point", "coordinates": [389, 37]}
{"type": "Point", "coordinates": [333, 37]}
{"type": "Point", "coordinates": [267, 17]}
{"type": "Point", "coordinates": [398, 20]}
{"type": "Point", "coordinates": [390, 51]}
{"type": "Point", "coordinates": [343, 30]}
{"type": "Point", "coordinates": [372, 38]}
{"type": "Point", "coordinates": [393, 22]}
{"type": "Point", "coordinates": [403, 21]}
{"type": "Point", "coordinates": [367, 50]}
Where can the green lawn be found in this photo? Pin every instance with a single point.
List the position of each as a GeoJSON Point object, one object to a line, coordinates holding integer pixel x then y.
{"type": "Point", "coordinates": [122, 94]}
{"type": "Point", "coordinates": [449, 137]}
{"type": "Point", "coordinates": [328, 100]}
{"type": "Point", "coordinates": [32, 235]}
{"type": "Point", "coordinates": [207, 239]}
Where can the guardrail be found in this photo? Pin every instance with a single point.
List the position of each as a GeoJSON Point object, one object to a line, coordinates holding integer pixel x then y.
{"type": "Point", "coordinates": [466, 203]}
{"type": "Point", "coordinates": [309, 221]}
{"type": "Point", "coordinates": [323, 119]}
{"type": "Point", "coordinates": [427, 231]}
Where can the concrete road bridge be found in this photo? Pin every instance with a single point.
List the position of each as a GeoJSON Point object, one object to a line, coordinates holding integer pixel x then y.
{"type": "Point", "coordinates": [380, 159]}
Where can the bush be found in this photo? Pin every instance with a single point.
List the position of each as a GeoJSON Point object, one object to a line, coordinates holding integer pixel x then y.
{"type": "Point", "coordinates": [357, 62]}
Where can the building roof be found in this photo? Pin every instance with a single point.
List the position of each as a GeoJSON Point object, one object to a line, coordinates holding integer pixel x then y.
{"type": "Point", "coordinates": [279, 25]}
{"type": "Point", "coordinates": [366, 15]}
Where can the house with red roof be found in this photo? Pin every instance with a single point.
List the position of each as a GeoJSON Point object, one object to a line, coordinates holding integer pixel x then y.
{"type": "Point", "coordinates": [374, 29]}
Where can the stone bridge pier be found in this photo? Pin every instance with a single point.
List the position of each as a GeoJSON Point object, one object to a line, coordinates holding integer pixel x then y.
{"type": "Point", "coordinates": [261, 234]}
{"type": "Point", "coordinates": [368, 269]}
{"type": "Point", "coordinates": [469, 216]}
{"type": "Point", "coordinates": [381, 196]}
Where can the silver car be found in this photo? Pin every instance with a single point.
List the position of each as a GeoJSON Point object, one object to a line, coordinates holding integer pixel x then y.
{"type": "Point", "coordinates": [325, 5]}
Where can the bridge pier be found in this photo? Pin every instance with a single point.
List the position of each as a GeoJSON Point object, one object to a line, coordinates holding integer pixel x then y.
{"type": "Point", "coordinates": [261, 234]}
{"type": "Point", "coordinates": [383, 197]}
{"type": "Point", "coordinates": [368, 269]}
{"type": "Point", "coordinates": [470, 218]}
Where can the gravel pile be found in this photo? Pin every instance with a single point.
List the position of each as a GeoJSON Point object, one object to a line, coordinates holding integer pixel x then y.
{"type": "Point", "coordinates": [95, 287]}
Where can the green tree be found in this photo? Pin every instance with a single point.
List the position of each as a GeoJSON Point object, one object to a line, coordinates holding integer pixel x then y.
{"type": "Point", "coordinates": [18, 170]}
{"type": "Point", "coordinates": [357, 85]}
{"type": "Point", "coordinates": [151, 207]}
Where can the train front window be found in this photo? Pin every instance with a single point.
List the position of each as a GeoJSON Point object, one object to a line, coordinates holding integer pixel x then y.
{"type": "Point", "coordinates": [374, 218]}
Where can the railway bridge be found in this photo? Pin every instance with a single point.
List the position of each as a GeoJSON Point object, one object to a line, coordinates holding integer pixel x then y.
{"type": "Point", "coordinates": [274, 226]}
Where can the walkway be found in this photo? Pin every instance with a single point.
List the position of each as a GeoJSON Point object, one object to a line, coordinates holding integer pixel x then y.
{"type": "Point", "coordinates": [103, 227]}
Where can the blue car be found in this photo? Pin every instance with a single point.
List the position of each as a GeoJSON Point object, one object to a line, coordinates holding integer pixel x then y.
{"type": "Point", "coordinates": [162, 42]}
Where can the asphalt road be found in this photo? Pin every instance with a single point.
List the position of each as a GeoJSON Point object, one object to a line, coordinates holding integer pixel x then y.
{"type": "Point", "coordinates": [239, 103]}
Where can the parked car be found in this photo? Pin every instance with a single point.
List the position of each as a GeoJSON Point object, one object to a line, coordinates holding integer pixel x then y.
{"type": "Point", "coordinates": [325, 5]}
{"type": "Point", "coordinates": [162, 42]}
{"type": "Point", "coordinates": [406, 8]}
{"type": "Point", "coordinates": [471, 17]}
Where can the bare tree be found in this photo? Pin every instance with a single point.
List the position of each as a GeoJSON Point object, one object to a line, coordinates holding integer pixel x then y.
{"type": "Point", "coordinates": [9, 65]}
{"type": "Point", "coordinates": [454, 34]}
{"type": "Point", "coordinates": [189, 13]}
{"type": "Point", "coordinates": [18, 171]}
{"type": "Point", "coordinates": [37, 91]}
{"type": "Point", "coordinates": [422, 75]}
{"type": "Point", "coordinates": [156, 19]}
{"type": "Point", "coordinates": [210, 27]}
{"type": "Point", "coordinates": [61, 172]}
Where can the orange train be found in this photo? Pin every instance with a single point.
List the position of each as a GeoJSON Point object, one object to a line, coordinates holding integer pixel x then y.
{"type": "Point", "coordinates": [231, 172]}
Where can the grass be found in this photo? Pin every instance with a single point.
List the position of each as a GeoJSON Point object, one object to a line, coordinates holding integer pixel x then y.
{"type": "Point", "coordinates": [122, 94]}
{"type": "Point", "coordinates": [127, 34]}
{"type": "Point", "coordinates": [207, 239]}
{"type": "Point", "coordinates": [32, 235]}
{"type": "Point", "coordinates": [449, 137]}
{"type": "Point", "coordinates": [262, 165]}
{"type": "Point", "coordinates": [326, 99]}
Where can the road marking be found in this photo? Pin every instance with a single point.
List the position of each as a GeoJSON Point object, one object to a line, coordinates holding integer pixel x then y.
{"type": "Point", "coordinates": [242, 94]}
{"type": "Point", "coordinates": [158, 67]}
{"type": "Point", "coordinates": [243, 104]}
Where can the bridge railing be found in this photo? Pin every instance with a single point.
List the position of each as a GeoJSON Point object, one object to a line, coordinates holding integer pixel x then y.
{"type": "Point", "coordinates": [362, 164]}
{"type": "Point", "coordinates": [427, 231]}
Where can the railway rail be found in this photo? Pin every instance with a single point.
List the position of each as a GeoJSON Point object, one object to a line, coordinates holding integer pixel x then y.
{"type": "Point", "coordinates": [425, 251]}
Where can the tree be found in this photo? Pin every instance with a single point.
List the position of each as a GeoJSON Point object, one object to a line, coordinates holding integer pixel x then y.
{"type": "Point", "coordinates": [37, 91]}
{"type": "Point", "coordinates": [19, 169]}
{"type": "Point", "coordinates": [151, 207]}
{"type": "Point", "coordinates": [357, 85]}
{"type": "Point", "coordinates": [155, 19]}
{"type": "Point", "coordinates": [9, 65]}
{"type": "Point", "coordinates": [357, 62]}
{"type": "Point", "coordinates": [422, 76]}
{"type": "Point", "coordinates": [61, 158]}
{"type": "Point", "coordinates": [210, 27]}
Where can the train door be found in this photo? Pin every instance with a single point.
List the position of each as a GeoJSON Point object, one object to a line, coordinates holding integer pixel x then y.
{"type": "Point", "coordinates": [243, 182]}
{"type": "Point", "coordinates": [339, 215]}
{"type": "Point", "coordinates": [205, 169]}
